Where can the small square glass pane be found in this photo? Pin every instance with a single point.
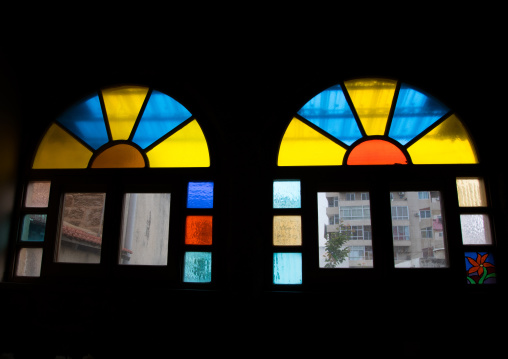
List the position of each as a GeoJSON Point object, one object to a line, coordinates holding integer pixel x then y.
{"type": "Point", "coordinates": [287, 268]}
{"type": "Point", "coordinates": [37, 194]}
{"type": "Point", "coordinates": [286, 194]}
{"type": "Point", "coordinates": [29, 262]}
{"type": "Point", "coordinates": [197, 267]}
{"type": "Point", "coordinates": [198, 230]}
{"type": "Point", "coordinates": [475, 229]}
{"type": "Point", "coordinates": [344, 230]}
{"type": "Point", "coordinates": [417, 230]}
{"type": "Point", "coordinates": [145, 229]}
{"type": "Point", "coordinates": [471, 192]}
{"type": "Point", "coordinates": [80, 239]}
{"type": "Point", "coordinates": [200, 195]}
{"type": "Point", "coordinates": [480, 268]}
{"type": "Point", "coordinates": [287, 230]}
{"type": "Point", "coordinates": [33, 228]}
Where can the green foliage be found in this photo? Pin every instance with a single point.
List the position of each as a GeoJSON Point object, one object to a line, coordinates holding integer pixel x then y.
{"type": "Point", "coordinates": [335, 253]}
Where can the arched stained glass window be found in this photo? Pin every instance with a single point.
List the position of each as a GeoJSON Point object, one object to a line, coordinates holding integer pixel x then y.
{"type": "Point", "coordinates": [375, 122]}
{"type": "Point", "coordinates": [124, 127]}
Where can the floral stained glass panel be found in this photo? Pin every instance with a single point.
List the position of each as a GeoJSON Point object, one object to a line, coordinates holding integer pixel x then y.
{"type": "Point", "coordinates": [480, 268]}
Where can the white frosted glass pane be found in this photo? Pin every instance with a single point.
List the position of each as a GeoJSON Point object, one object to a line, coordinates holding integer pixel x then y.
{"type": "Point", "coordinates": [29, 262]}
{"type": "Point", "coordinates": [145, 230]}
{"type": "Point", "coordinates": [475, 229]}
{"type": "Point", "coordinates": [37, 194]}
{"type": "Point", "coordinates": [287, 268]}
{"type": "Point", "coordinates": [471, 192]}
{"type": "Point", "coordinates": [286, 194]}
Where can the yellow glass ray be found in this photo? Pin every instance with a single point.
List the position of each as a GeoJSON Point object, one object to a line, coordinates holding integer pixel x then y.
{"type": "Point", "coordinates": [58, 149]}
{"type": "Point", "coordinates": [185, 148]}
{"type": "Point", "coordinates": [304, 146]}
{"type": "Point", "coordinates": [372, 99]}
{"type": "Point", "coordinates": [448, 143]}
{"type": "Point", "coordinates": [122, 107]}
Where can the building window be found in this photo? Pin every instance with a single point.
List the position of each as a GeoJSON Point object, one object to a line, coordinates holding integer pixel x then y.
{"type": "Point", "coordinates": [101, 205]}
{"type": "Point", "coordinates": [400, 212]}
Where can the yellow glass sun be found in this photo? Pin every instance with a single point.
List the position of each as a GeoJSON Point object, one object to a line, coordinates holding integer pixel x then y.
{"type": "Point", "coordinates": [371, 122]}
{"type": "Point", "coordinates": [124, 127]}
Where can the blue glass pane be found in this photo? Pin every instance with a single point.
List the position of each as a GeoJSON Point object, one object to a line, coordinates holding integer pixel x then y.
{"type": "Point", "coordinates": [200, 195]}
{"type": "Point", "coordinates": [161, 115]}
{"type": "Point", "coordinates": [197, 267]}
{"type": "Point", "coordinates": [86, 121]}
{"type": "Point", "coordinates": [330, 111]}
{"type": "Point", "coordinates": [287, 268]}
{"type": "Point", "coordinates": [414, 112]}
{"type": "Point", "coordinates": [34, 227]}
{"type": "Point", "coordinates": [286, 194]}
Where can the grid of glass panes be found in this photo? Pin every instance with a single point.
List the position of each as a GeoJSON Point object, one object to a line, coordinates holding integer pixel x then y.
{"type": "Point", "coordinates": [197, 261]}
{"type": "Point", "coordinates": [32, 229]}
{"type": "Point", "coordinates": [287, 233]}
{"type": "Point", "coordinates": [476, 231]}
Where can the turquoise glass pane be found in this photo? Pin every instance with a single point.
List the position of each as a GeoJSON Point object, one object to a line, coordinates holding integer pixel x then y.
{"type": "Point", "coordinates": [200, 195]}
{"type": "Point", "coordinates": [287, 268]}
{"type": "Point", "coordinates": [414, 112]}
{"type": "Point", "coordinates": [330, 111]}
{"type": "Point", "coordinates": [286, 194]}
{"type": "Point", "coordinates": [197, 267]}
{"type": "Point", "coordinates": [34, 227]}
{"type": "Point", "coordinates": [480, 268]}
{"type": "Point", "coordinates": [161, 115]}
{"type": "Point", "coordinates": [86, 121]}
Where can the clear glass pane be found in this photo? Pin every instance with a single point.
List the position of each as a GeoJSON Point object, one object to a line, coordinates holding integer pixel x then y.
{"type": "Point", "coordinates": [198, 230]}
{"type": "Point", "coordinates": [344, 230]}
{"type": "Point", "coordinates": [475, 229]}
{"type": "Point", "coordinates": [33, 228]}
{"type": "Point", "coordinates": [197, 267]}
{"type": "Point", "coordinates": [480, 268]}
{"type": "Point", "coordinates": [286, 194]}
{"type": "Point", "coordinates": [471, 192]}
{"type": "Point", "coordinates": [330, 111]}
{"type": "Point", "coordinates": [200, 195]}
{"type": "Point", "coordinates": [37, 194]}
{"type": "Point", "coordinates": [81, 228]}
{"type": "Point", "coordinates": [29, 262]}
{"type": "Point", "coordinates": [287, 268]}
{"type": "Point", "coordinates": [145, 229]}
{"type": "Point", "coordinates": [418, 236]}
{"type": "Point", "coordinates": [287, 230]}
{"type": "Point", "coordinates": [162, 114]}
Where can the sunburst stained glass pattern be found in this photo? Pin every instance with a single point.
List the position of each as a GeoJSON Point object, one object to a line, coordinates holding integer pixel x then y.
{"type": "Point", "coordinates": [130, 127]}
{"type": "Point", "coordinates": [331, 127]}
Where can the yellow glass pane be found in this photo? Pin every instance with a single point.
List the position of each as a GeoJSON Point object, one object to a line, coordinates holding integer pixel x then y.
{"type": "Point", "coordinates": [58, 149]}
{"type": "Point", "coordinates": [471, 192]}
{"type": "Point", "coordinates": [304, 146]}
{"type": "Point", "coordinates": [372, 99]}
{"type": "Point", "coordinates": [448, 143]}
{"type": "Point", "coordinates": [287, 230]}
{"type": "Point", "coordinates": [185, 148]}
{"type": "Point", "coordinates": [122, 107]}
{"type": "Point", "coordinates": [119, 156]}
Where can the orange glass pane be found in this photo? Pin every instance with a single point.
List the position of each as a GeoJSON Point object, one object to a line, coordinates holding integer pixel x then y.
{"type": "Point", "coordinates": [119, 156]}
{"type": "Point", "coordinates": [198, 230]}
{"type": "Point", "coordinates": [376, 152]}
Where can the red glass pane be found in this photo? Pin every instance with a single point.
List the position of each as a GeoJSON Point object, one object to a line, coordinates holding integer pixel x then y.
{"type": "Point", "coordinates": [198, 230]}
{"type": "Point", "coordinates": [376, 152]}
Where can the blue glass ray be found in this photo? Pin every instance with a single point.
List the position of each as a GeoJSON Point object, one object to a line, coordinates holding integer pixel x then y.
{"type": "Point", "coordinates": [330, 111]}
{"type": "Point", "coordinates": [86, 121]}
{"type": "Point", "coordinates": [200, 195]}
{"type": "Point", "coordinates": [162, 114]}
{"type": "Point", "coordinates": [287, 268]}
{"type": "Point", "coordinates": [414, 112]}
